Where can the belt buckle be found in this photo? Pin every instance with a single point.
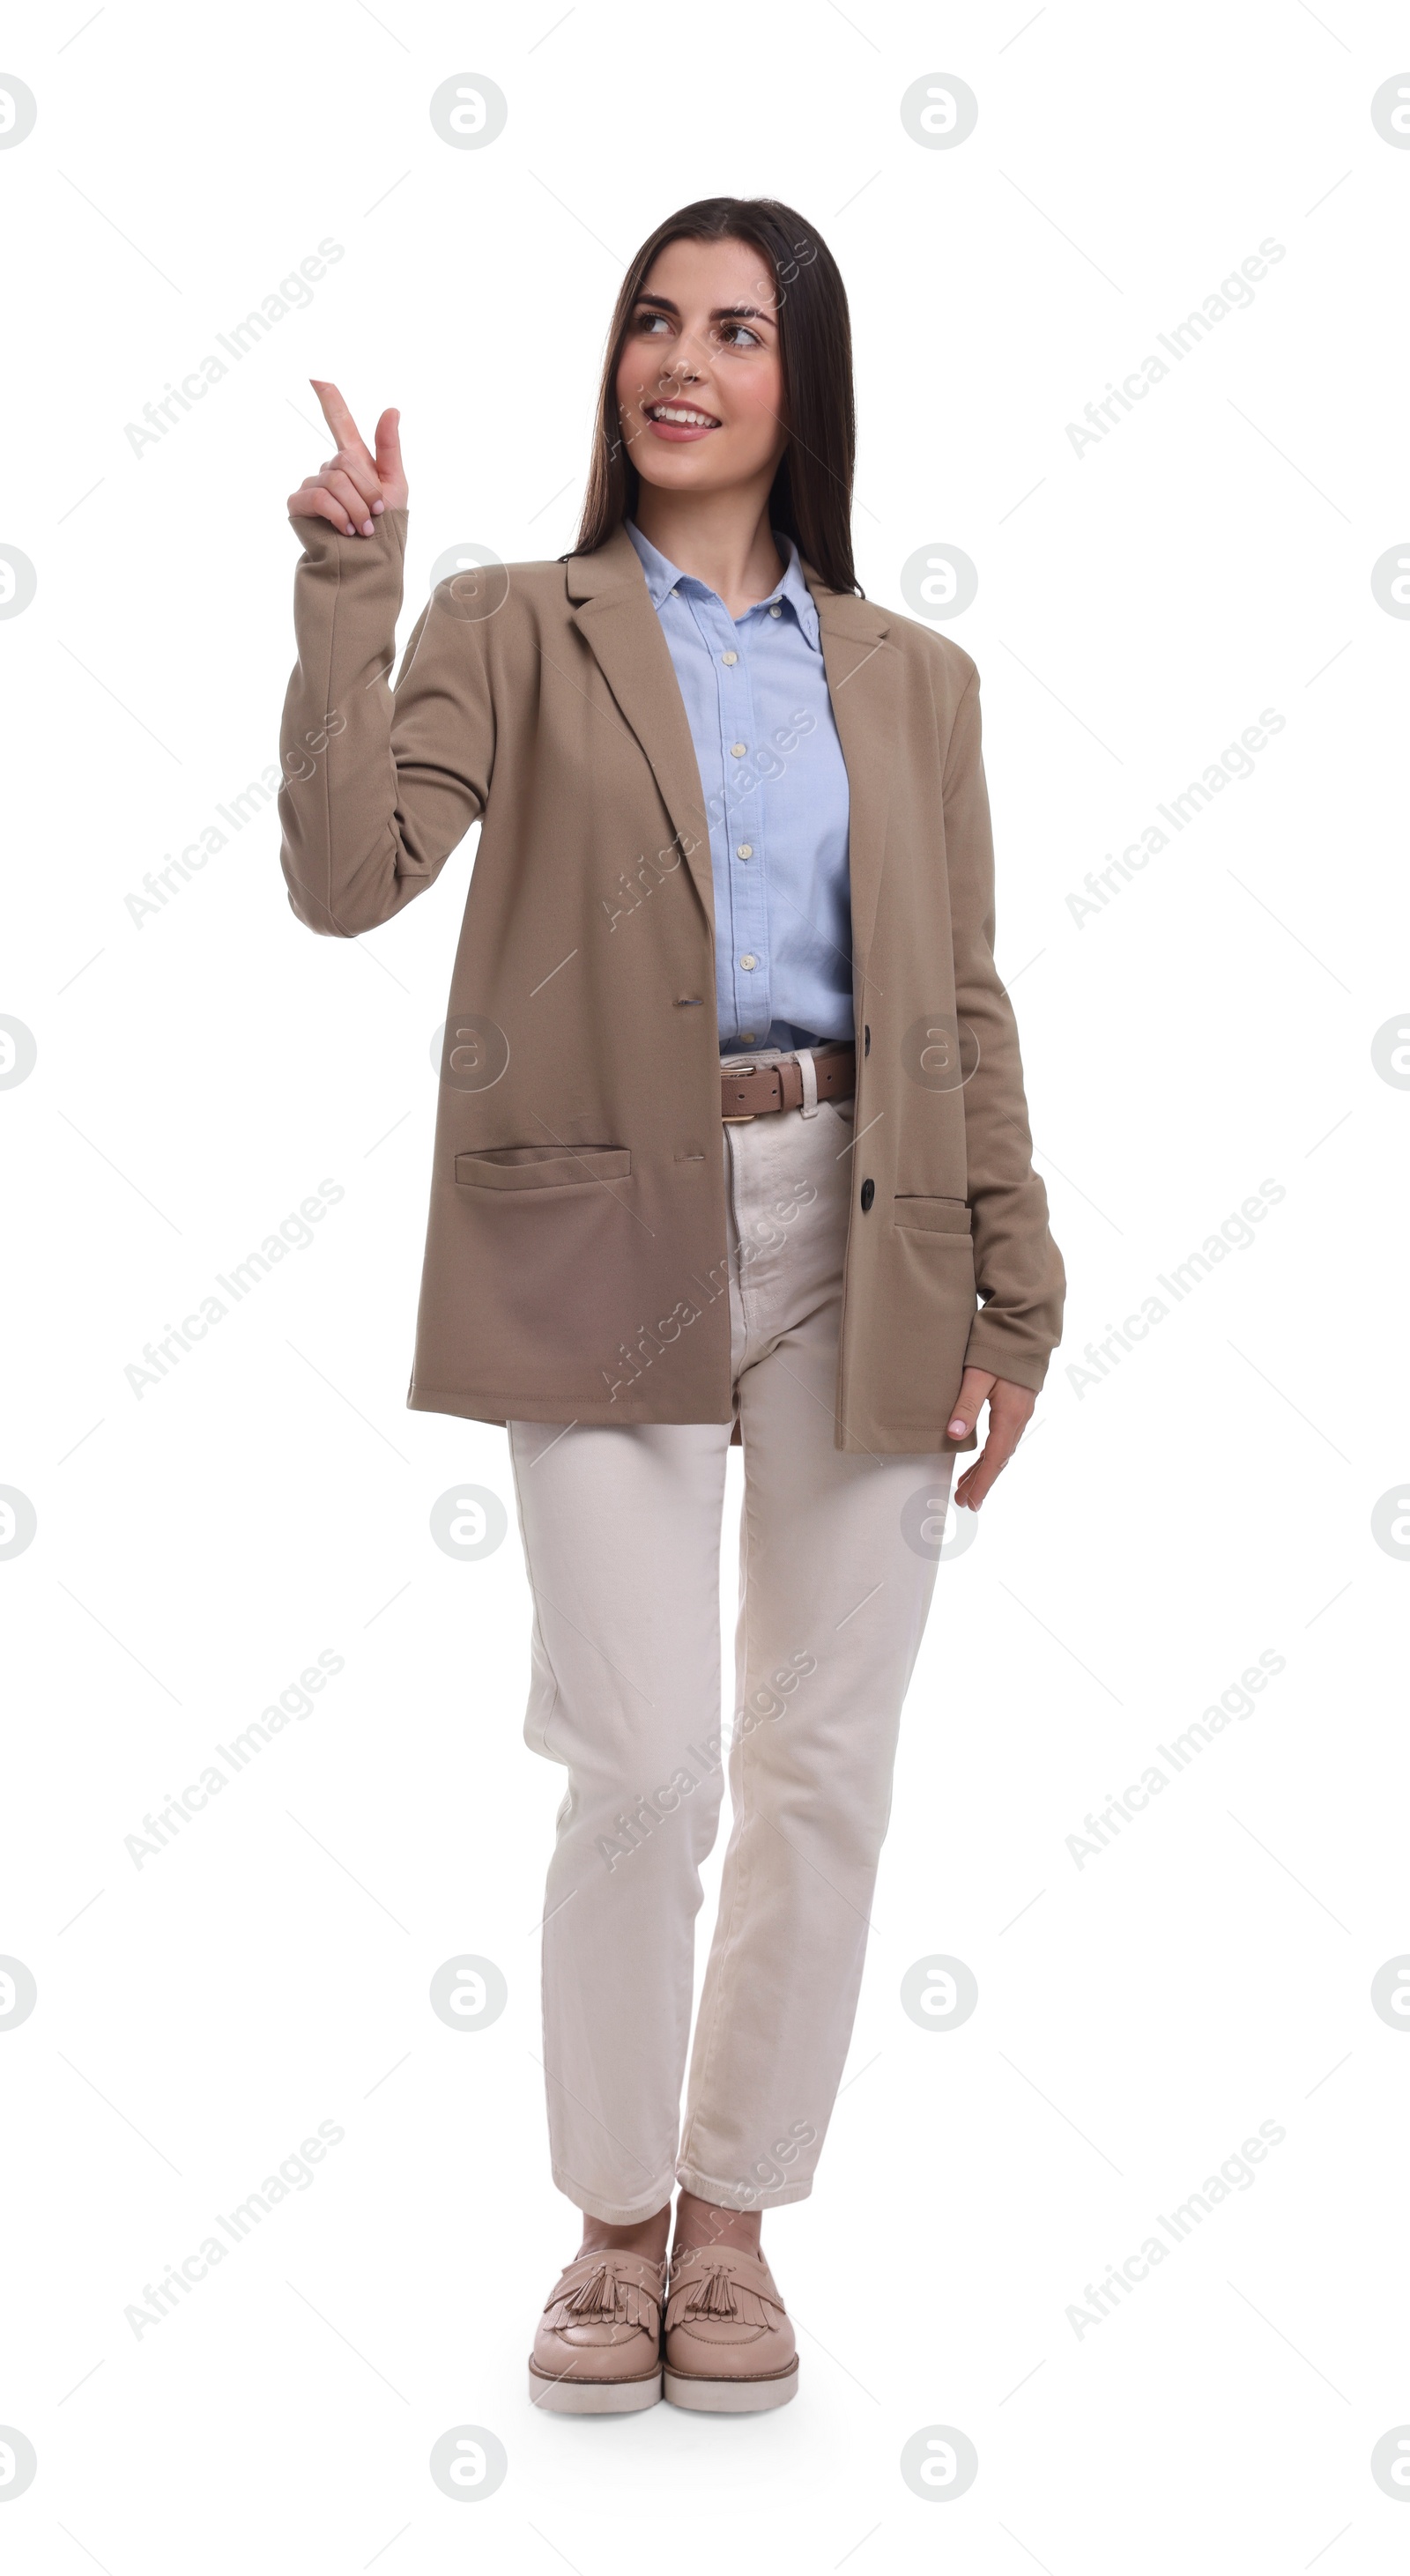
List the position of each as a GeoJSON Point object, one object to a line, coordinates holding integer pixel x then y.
{"type": "Point", "coordinates": [741, 1117]}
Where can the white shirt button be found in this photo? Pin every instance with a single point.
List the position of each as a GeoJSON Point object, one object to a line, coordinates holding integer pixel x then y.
{"type": "Point", "coordinates": [748, 960]}
{"type": "Point", "coordinates": [729, 657]}
{"type": "Point", "coordinates": [775, 611]}
{"type": "Point", "coordinates": [745, 850]}
{"type": "Point", "coordinates": [738, 749]}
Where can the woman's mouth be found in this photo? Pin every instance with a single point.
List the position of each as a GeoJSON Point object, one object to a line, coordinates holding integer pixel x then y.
{"type": "Point", "coordinates": [679, 421]}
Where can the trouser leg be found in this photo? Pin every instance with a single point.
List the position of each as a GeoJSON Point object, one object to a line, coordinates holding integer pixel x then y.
{"type": "Point", "coordinates": [621, 1531]}
{"type": "Point", "coordinates": [833, 1604]}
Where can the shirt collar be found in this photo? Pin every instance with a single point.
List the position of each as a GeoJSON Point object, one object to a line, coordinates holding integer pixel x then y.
{"type": "Point", "coordinates": [662, 577]}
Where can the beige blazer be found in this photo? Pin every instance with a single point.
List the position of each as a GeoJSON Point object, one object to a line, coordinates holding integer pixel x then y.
{"type": "Point", "coordinates": [575, 1261]}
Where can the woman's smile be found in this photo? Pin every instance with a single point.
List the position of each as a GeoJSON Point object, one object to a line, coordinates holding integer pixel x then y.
{"type": "Point", "coordinates": [679, 421]}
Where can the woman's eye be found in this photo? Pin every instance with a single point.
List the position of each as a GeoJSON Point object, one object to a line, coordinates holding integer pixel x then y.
{"type": "Point", "coordinates": [740, 336]}
{"type": "Point", "coordinates": [652, 322]}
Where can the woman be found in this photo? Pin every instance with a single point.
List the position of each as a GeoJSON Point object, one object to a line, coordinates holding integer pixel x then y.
{"type": "Point", "coordinates": [731, 1143]}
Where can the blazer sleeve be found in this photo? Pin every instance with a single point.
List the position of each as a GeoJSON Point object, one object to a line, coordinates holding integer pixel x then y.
{"type": "Point", "coordinates": [1018, 1269]}
{"type": "Point", "coordinates": [379, 784]}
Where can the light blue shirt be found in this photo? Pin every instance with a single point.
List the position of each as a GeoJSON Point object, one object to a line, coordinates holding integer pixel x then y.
{"type": "Point", "coordinates": [775, 789]}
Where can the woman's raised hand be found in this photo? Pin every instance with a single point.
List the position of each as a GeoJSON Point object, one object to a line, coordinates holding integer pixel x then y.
{"type": "Point", "coordinates": [354, 487]}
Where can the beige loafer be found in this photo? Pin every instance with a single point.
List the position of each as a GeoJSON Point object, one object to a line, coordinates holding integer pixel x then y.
{"type": "Point", "coordinates": [730, 2349]}
{"type": "Point", "coordinates": [598, 2346]}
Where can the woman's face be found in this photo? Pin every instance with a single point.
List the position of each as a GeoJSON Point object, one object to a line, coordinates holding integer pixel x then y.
{"type": "Point", "coordinates": [700, 381]}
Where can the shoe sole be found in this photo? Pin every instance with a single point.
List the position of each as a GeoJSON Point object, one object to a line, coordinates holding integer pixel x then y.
{"type": "Point", "coordinates": [731, 2396]}
{"type": "Point", "coordinates": [593, 2396]}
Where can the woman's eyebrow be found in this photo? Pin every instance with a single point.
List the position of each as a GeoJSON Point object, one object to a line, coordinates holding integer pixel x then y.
{"type": "Point", "coordinates": [721, 313]}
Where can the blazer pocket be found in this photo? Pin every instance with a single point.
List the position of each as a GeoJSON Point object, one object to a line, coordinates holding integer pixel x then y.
{"type": "Point", "coordinates": [542, 1167]}
{"type": "Point", "coordinates": [931, 1216]}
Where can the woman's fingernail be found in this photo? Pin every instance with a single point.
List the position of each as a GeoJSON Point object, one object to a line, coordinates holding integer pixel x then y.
{"type": "Point", "coordinates": [957, 1430]}
{"type": "Point", "coordinates": [367, 527]}
{"type": "Point", "coordinates": [376, 506]}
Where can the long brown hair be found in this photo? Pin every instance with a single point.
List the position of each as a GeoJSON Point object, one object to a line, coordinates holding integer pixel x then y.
{"type": "Point", "coordinates": [811, 499]}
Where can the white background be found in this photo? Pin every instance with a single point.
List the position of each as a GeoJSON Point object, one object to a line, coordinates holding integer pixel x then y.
{"type": "Point", "coordinates": [1209, 1498]}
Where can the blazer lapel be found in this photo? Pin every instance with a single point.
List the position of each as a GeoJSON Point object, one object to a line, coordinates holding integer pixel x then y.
{"type": "Point", "coordinates": [615, 616]}
{"type": "Point", "coordinates": [862, 684]}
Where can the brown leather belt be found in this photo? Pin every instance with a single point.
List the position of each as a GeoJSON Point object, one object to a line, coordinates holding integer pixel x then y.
{"type": "Point", "coordinates": [760, 1088]}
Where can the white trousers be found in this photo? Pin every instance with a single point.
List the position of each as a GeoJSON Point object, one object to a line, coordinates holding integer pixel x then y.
{"type": "Point", "coordinates": [621, 1528]}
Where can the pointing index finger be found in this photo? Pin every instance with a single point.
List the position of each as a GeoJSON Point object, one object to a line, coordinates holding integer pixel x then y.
{"type": "Point", "coordinates": [335, 411]}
